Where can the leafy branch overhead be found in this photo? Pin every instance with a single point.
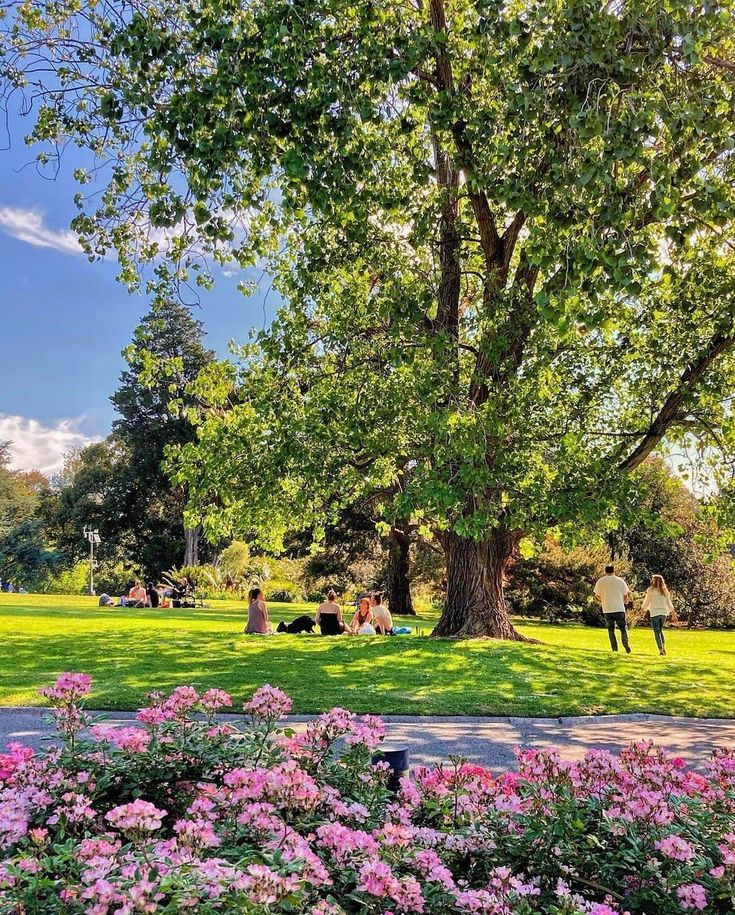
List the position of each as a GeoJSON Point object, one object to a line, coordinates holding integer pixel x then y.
{"type": "Point", "coordinates": [501, 231]}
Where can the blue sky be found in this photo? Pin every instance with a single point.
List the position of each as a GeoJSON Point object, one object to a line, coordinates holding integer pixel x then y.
{"type": "Point", "coordinates": [64, 321]}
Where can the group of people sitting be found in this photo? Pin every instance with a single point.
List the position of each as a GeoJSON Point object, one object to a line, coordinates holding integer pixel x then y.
{"type": "Point", "coordinates": [371, 618]}
{"type": "Point", "coordinates": [150, 595]}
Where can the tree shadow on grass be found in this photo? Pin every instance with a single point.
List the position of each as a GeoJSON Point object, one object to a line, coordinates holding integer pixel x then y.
{"type": "Point", "coordinates": [130, 656]}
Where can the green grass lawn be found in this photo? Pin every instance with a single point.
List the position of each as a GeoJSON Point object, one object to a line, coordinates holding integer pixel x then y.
{"type": "Point", "coordinates": [131, 652]}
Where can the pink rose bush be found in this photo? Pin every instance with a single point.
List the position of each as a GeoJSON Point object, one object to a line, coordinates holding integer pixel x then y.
{"type": "Point", "coordinates": [183, 813]}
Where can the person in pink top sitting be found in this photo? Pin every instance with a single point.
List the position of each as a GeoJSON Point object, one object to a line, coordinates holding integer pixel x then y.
{"type": "Point", "coordinates": [138, 596]}
{"type": "Point", "coordinates": [258, 622]}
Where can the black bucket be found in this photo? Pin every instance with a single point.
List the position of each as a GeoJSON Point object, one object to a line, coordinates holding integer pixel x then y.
{"type": "Point", "coordinates": [397, 759]}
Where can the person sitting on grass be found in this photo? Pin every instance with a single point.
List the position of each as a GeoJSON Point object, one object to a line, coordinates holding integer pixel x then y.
{"type": "Point", "coordinates": [153, 595]}
{"type": "Point", "coordinates": [136, 596]}
{"type": "Point", "coordinates": [329, 616]}
{"type": "Point", "coordinates": [657, 601]}
{"type": "Point", "coordinates": [362, 621]}
{"type": "Point", "coordinates": [382, 620]}
{"type": "Point", "coordinates": [258, 622]}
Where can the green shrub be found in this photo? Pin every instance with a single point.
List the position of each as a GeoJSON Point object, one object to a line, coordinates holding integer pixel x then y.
{"type": "Point", "coordinates": [114, 577]}
{"type": "Point", "coordinates": [206, 579]}
{"type": "Point", "coordinates": [556, 584]}
{"type": "Point", "coordinates": [72, 580]}
{"type": "Point", "coordinates": [235, 559]}
{"type": "Point", "coordinates": [282, 591]}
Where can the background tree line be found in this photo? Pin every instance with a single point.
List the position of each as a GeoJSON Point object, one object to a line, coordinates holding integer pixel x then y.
{"type": "Point", "coordinates": [117, 485]}
{"type": "Point", "coordinates": [122, 486]}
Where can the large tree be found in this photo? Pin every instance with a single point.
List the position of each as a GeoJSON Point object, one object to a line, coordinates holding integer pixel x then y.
{"type": "Point", "coordinates": [120, 485]}
{"type": "Point", "coordinates": [25, 556]}
{"type": "Point", "coordinates": [501, 228]}
{"type": "Point", "coordinates": [166, 355]}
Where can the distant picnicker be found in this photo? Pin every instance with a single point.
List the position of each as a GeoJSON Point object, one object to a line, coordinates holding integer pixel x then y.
{"type": "Point", "coordinates": [612, 593]}
{"type": "Point", "coordinates": [657, 601]}
{"type": "Point", "coordinates": [258, 621]}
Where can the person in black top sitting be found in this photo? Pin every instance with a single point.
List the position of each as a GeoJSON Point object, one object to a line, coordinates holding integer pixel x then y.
{"type": "Point", "coordinates": [329, 616]}
{"type": "Point", "coordinates": [154, 598]}
{"type": "Point", "coordinates": [180, 595]}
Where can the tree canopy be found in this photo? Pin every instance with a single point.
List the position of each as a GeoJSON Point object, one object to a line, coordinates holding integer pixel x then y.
{"type": "Point", "coordinates": [501, 229]}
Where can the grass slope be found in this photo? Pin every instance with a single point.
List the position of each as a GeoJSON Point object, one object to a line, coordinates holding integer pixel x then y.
{"type": "Point", "coordinates": [131, 652]}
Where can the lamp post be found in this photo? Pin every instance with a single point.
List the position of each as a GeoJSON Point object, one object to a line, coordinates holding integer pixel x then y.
{"type": "Point", "coordinates": [93, 536]}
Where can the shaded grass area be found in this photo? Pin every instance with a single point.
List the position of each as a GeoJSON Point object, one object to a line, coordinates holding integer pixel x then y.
{"type": "Point", "coordinates": [130, 652]}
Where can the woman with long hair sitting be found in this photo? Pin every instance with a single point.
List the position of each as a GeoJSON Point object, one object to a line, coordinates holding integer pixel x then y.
{"type": "Point", "coordinates": [258, 621]}
{"type": "Point", "coordinates": [657, 601]}
{"type": "Point", "coordinates": [362, 621]}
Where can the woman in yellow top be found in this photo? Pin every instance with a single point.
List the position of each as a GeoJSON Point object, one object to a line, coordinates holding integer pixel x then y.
{"type": "Point", "coordinates": [657, 601]}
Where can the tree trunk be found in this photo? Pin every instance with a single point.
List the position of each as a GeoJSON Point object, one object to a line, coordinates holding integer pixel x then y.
{"type": "Point", "coordinates": [475, 604]}
{"type": "Point", "coordinates": [191, 545]}
{"type": "Point", "coordinates": [399, 581]}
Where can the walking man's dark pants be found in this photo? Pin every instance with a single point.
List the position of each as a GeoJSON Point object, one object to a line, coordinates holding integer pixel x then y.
{"type": "Point", "coordinates": [613, 620]}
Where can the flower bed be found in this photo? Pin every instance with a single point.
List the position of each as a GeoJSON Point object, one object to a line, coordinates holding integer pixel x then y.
{"type": "Point", "coordinates": [183, 813]}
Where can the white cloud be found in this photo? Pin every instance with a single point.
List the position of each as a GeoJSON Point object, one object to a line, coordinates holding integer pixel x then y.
{"type": "Point", "coordinates": [39, 447]}
{"type": "Point", "coordinates": [28, 226]}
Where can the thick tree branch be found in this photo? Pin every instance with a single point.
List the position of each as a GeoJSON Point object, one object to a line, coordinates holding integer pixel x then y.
{"type": "Point", "coordinates": [490, 240]}
{"type": "Point", "coordinates": [721, 62]}
{"type": "Point", "coordinates": [667, 415]}
{"type": "Point", "coordinates": [447, 178]}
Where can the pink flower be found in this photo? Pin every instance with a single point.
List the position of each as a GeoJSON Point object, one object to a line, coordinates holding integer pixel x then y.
{"type": "Point", "coordinates": [197, 833]}
{"type": "Point", "coordinates": [153, 715]}
{"type": "Point", "coordinates": [269, 703]}
{"type": "Point", "coordinates": [344, 843]}
{"type": "Point", "coordinates": [69, 687]}
{"type": "Point", "coordinates": [266, 886]}
{"type": "Point", "coordinates": [692, 896]}
{"type": "Point", "coordinates": [376, 878]}
{"type": "Point", "coordinates": [14, 813]}
{"type": "Point", "coordinates": [137, 817]}
{"type": "Point", "coordinates": [130, 739]}
{"type": "Point", "coordinates": [181, 701]}
{"type": "Point", "coordinates": [676, 848]}
{"type": "Point", "coordinates": [370, 732]}
{"type": "Point", "coordinates": [16, 756]}
{"type": "Point", "coordinates": [215, 699]}
{"type": "Point", "coordinates": [727, 848]}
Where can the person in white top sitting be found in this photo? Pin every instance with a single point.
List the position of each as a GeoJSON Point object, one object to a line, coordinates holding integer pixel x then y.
{"type": "Point", "coordinates": [382, 620]}
{"type": "Point", "coordinates": [612, 592]}
{"type": "Point", "coordinates": [657, 601]}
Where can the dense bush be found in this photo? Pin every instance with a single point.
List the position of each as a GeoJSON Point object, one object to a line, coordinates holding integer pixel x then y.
{"type": "Point", "coordinates": [174, 815]}
{"type": "Point", "coordinates": [235, 559]}
{"type": "Point", "coordinates": [556, 584]}
{"type": "Point", "coordinates": [205, 579]}
{"type": "Point", "coordinates": [281, 591]}
{"type": "Point", "coordinates": [72, 580]}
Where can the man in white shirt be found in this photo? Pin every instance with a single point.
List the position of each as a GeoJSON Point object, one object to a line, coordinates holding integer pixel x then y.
{"type": "Point", "coordinates": [612, 591]}
{"type": "Point", "coordinates": [382, 620]}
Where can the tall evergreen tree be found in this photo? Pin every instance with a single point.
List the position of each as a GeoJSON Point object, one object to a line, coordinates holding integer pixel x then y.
{"type": "Point", "coordinates": [166, 355]}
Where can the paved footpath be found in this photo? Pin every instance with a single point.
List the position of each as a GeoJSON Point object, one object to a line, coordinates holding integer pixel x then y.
{"type": "Point", "coordinates": [489, 741]}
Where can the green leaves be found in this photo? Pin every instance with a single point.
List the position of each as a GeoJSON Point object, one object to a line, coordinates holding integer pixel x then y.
{"type": "Point", "coordinates": [500, 237]}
